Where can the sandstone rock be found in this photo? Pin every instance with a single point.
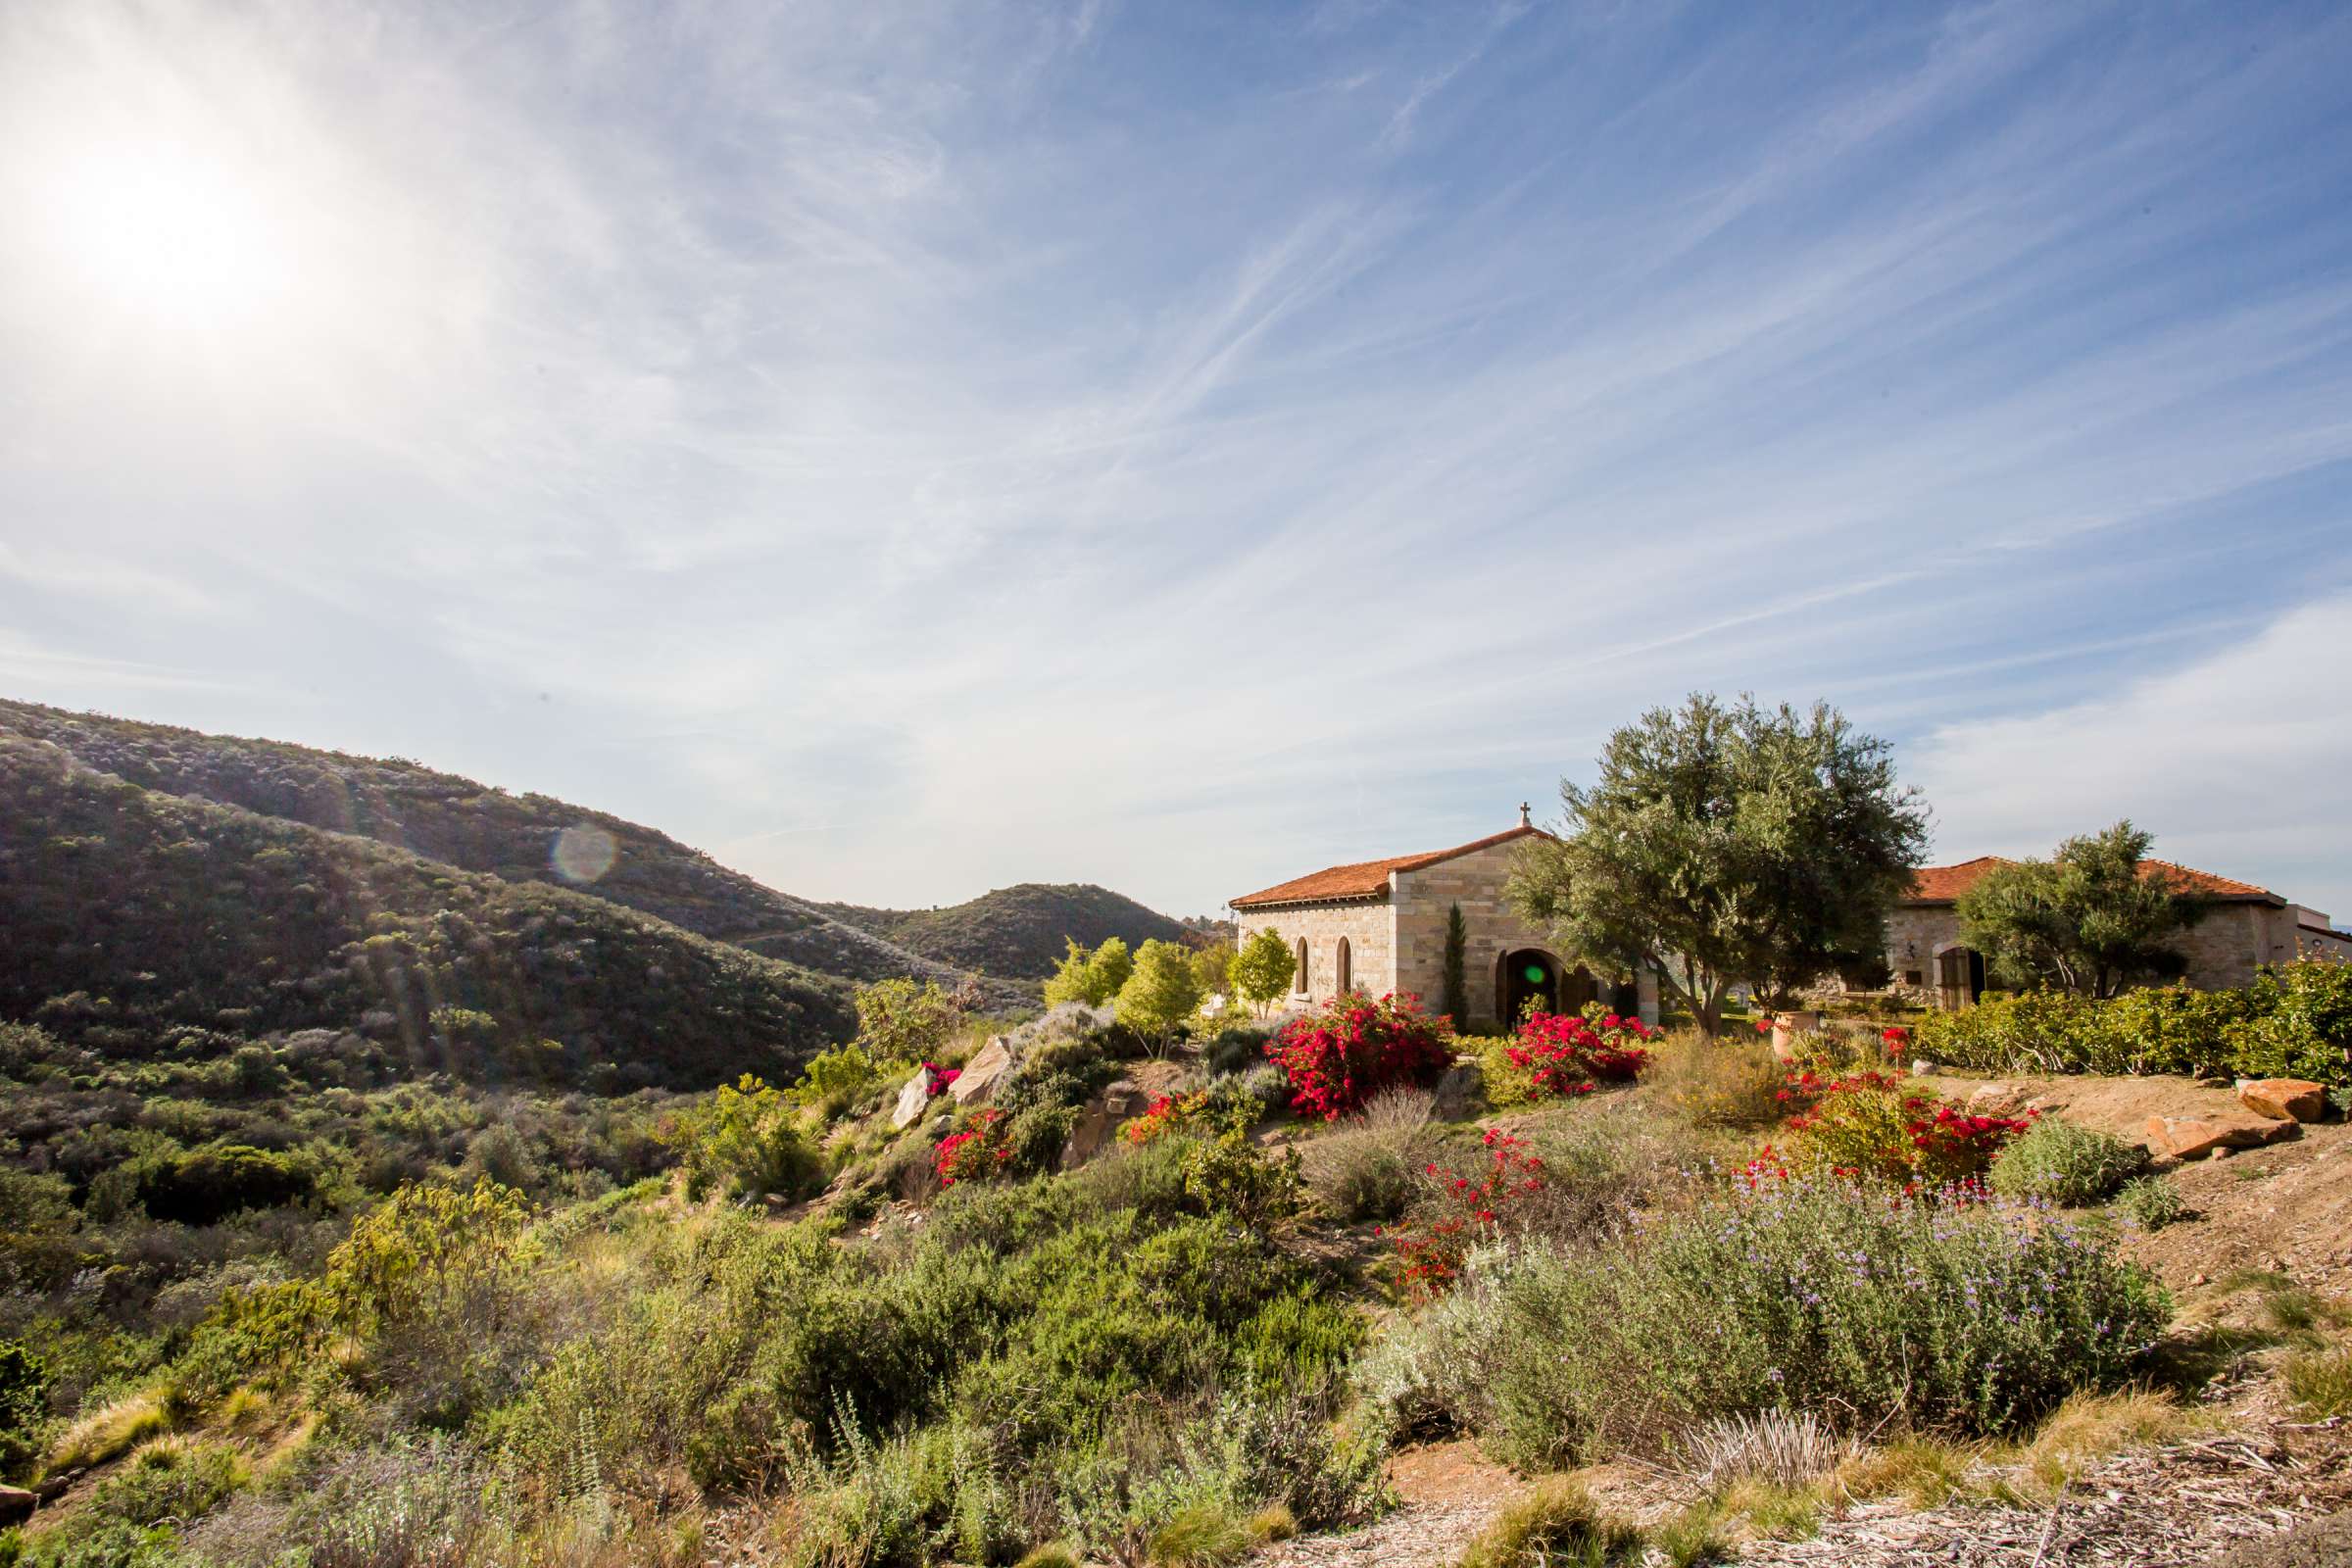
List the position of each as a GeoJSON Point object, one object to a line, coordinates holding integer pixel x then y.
{"type": "Point", "coordinates": [1921, 1067]}
{"type": "Point", "coordinates": [913, 1100]}
{"type": "Point", "coordinates": [16, 1505]}
{"type": "Point", "coordinates": [2284, 1098]}
{"type": "Point", "coordinates": [1100, 1118]}
{"type": "Point", "coordinates": [1460, 1092]}
{"type": "Point", "coordinates": [2195, 1137]}
{"type": "Point", "coordinates": [982, 1074]}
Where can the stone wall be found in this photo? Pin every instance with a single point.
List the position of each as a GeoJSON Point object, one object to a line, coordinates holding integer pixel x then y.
{"type": "Point", "coordinates": [1368, 926]}
{"type": "Point", "coordinates": [1475, 881]}
{"type": "Point", "coordinates": [2223, 949]}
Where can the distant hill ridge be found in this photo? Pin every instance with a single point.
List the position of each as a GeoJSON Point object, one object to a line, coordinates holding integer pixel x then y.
{"type": "Point", "coordinates": [1020, 931]}
{"type": "Point", "coordinates": [463, 823]}
{"type": "Point", "coordinates": [147, 926]}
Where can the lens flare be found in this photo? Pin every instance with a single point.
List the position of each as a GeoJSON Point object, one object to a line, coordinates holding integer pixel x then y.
{"type": "Point", "coordinates": [583, 854]}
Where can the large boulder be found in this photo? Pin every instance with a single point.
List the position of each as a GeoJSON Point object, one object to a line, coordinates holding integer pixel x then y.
{"type": "Point", "coordinates": [983, 1073]}
{"type": "Point", "coordinates": [1100, 1118]}
{"type": "Point", "coordinates": [2284, 1098]}
{"type": "Point", "coordinates": [915, 1099]}
{"type": "Point", "coordinates": [1461, 1092]}
{"type": "Point", "coordinates": [17, 1505]}
{"type": "Point", "coordinates": [2195, 1136]}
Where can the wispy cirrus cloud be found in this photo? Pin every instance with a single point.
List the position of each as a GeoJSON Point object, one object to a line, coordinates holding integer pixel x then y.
{"type": "Point", "coordinates": [920, 448]}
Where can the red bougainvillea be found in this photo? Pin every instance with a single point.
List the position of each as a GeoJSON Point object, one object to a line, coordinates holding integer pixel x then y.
{"type": "Point", "coordinates": [1354, 1048]}
{"type": "Point", "coordinates": [1431, 1254]}
{"type": "Point", "coordinates": [1867, 1124]}
{"type": "Point", "coordinates": [977, 1153]}
{"type": "Point", "coordinates": [941, 1077]}
{"type": "Point", "coordinates": [1565, 1054]}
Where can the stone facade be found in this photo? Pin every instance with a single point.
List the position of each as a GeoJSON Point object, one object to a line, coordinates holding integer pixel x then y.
{"type": "Point", "coordinates": [2241, 932]}
{"type": "Point", "coordinates": [1368, 928]}
{"type": "Point", "coordinates": [1392, 916]}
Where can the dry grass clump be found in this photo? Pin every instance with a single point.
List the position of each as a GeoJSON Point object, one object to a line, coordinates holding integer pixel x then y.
{"type": "Point", "coordinates": [109, 1431]}
{"type": "Point", "coordinates": [1727, 1083]}
{"type": "Point", "coordinates": [1555, 1524]}
{"type": "Point", "coordinates": [1775, 1446]}
{"type": "Point", "coordinates": [1370, 1168]}
{"type": "Point", "coordinates": [2088, 1427]}
{"type": "Point", "coordinates": [2321, 1382]}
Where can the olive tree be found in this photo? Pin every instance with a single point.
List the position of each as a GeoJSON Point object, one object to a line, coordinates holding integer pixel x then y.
{"type": "Point", "coordinates": [2095, 918]}
{"type": "Point", "coordinates": [1727, 841]}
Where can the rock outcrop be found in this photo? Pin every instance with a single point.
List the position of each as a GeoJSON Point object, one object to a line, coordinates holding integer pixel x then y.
{"type": "Point", "coordinates": [915, 1099]}
{"type": "Point", "coordinates": [2284, 1098]}
{"type": "Point", "coordinates": [2195, 1136]}
{"type": "Point", "coordinates": [983, 1073]}
{"type": "Point", "coordinates": [1100, 1118]}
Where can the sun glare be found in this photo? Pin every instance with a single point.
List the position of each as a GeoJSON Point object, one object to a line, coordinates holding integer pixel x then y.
{"type": "Point", "coordinates": [174, 238]}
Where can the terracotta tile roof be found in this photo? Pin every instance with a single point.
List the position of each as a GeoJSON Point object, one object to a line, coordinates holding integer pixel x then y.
{"type": "Point", "coordinates": [1941, 884]}
{"type": "Point", "coordinates": [1368, 879]}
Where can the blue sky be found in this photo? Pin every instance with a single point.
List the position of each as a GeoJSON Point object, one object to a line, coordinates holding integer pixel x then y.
{"type": "Point", "coordinates": [905, 450]}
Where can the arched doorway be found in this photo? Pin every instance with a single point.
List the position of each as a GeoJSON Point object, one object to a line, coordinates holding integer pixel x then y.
{"type": "Point", "coordinates": [1529, 974]}
{"type": "Point", "coordinates": [1959, 977]}
{"type": "Point", "coordinates": [1298, 953]}
{"type": "Point", "coordinates": [1347, 968]}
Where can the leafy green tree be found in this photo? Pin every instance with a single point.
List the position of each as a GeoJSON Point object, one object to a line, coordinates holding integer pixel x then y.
{"type": "Point", "coordinates": [899, 1021]}
{"type": "Point", "coordinates": [1212, 967]}
{"type": "Point", "coordinates": [1456, 974]}
{"type": "Point", "coordinates": [1263, 968]}
{"type": "Point", "coordinates": [1093, 978]}
{"type": "Point", "coordinates": [1161, 992]}
{"type": "Point", "coordinates": [1726, 842]}
{"type": "Point", "coordinates": [2093, 919]}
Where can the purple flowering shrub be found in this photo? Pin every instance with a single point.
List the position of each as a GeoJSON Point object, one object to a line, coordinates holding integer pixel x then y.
{"type": "Point", "coordinates": [1876, 1312]}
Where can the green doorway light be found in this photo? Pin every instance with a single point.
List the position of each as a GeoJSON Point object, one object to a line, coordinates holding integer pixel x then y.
{"type": "Point", "coordinates": [1537, 974]}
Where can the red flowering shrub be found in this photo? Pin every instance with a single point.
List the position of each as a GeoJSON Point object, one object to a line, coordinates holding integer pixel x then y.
{"type": "Point", "coordinates": [1432, 1254]}
{"type": "Point", "coordinates": [941, 1077]}
{"type": "Point", "coordinates": [1354, 1048]}
{"type": "Point", "coordinates": [1898, 1041]}
{"type": "Point", "coordinates": [1564, 1054]}
{"type": "Point", "coordinates": [1866, 1125]}
{"type": "Point", "coordinates": [1166, 1115]}
{"type": "Point", "coordinates": [976, 1153]}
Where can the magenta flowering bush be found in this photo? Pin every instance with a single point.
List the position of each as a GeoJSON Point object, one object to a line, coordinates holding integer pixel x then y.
{"type": "Point", "coordinates": [1353, 1048]}
{"type": "Point", "coordinates": [1564, 1054]}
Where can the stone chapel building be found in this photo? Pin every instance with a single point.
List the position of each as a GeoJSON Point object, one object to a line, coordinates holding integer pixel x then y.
{"type": "Point", "coordinates": [2244, 928]}
{"type": "Point", "coordinates": [1378, 926]}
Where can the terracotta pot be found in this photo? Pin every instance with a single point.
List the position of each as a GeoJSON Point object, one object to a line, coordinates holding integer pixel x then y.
{"type": "Point", "coordinates": [1787, 1026]}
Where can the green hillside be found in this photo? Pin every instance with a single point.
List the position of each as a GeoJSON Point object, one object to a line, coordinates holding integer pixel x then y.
{"type": "Point", "coordinates": [1016, 932]}
{"type": "Point", "coordinates": [147, 926]}
{"type": "Point", "coordinates": [479, 828]}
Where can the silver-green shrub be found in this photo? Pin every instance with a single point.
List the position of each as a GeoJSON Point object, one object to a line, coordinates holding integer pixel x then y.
{"type": "Point", "coordinates": [2062, 1162]}
{"type": "Point", "coordinates": [1802, 1295]}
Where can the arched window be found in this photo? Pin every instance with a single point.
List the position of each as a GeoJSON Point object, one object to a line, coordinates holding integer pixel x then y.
{"type": "Point", "coordinates": [1299, 952]}
{"type": "Point", "coordinates": [1347, 968]}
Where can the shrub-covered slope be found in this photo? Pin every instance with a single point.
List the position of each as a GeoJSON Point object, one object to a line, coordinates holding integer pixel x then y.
{"type": "Point", "coordinates": [1018, 932]}
{"type": "Point", "coordinates": [444, 818]}
{"type": "Point", "coordinates": [147, 926]}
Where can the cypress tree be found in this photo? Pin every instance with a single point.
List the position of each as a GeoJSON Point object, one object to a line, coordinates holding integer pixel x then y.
{"type": "Point", "coordinates": [1457, 985]}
